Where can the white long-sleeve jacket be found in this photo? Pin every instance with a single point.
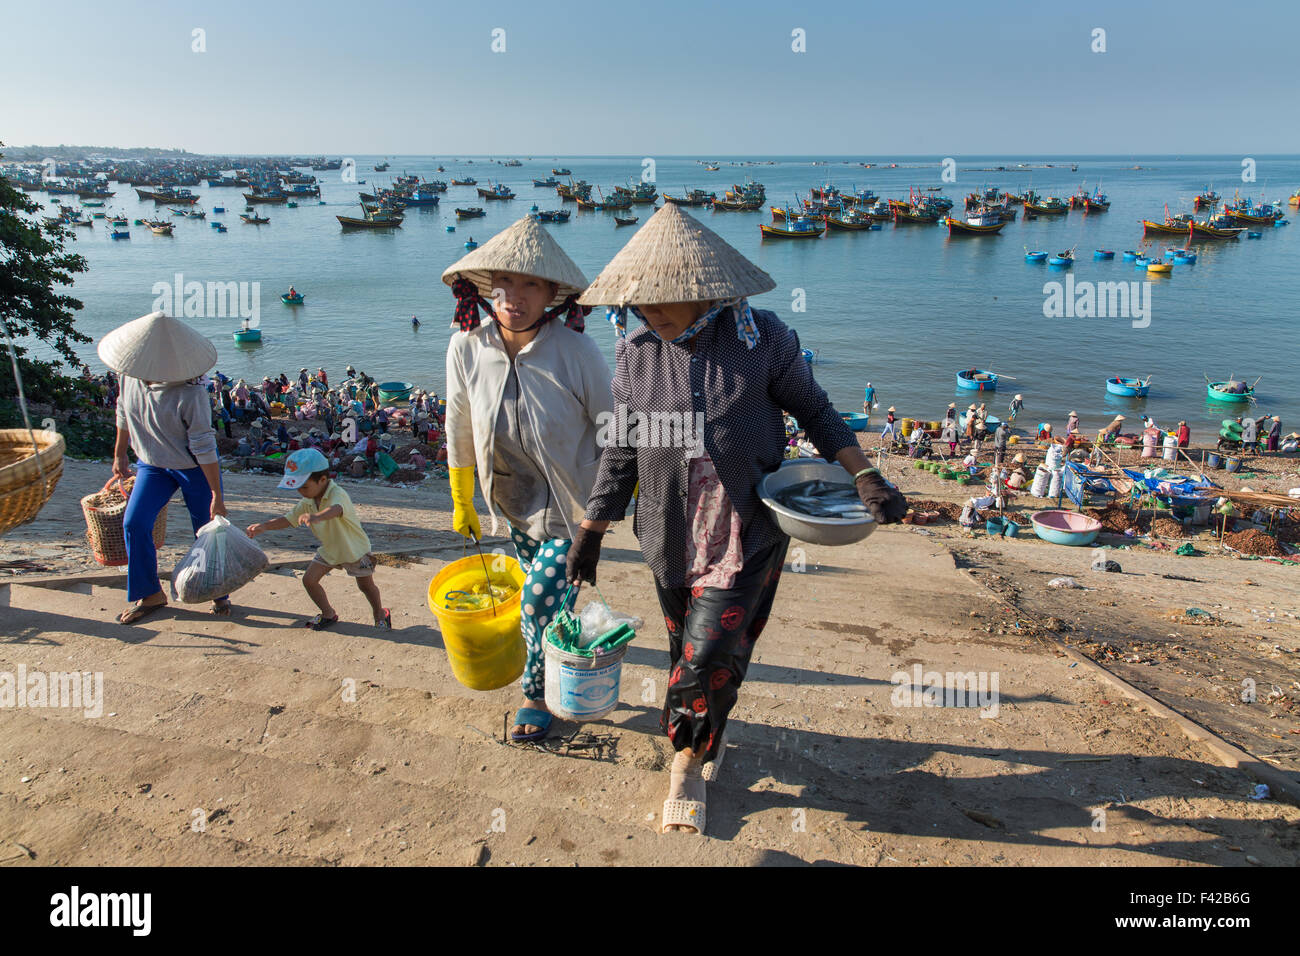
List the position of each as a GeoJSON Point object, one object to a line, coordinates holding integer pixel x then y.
{"type": "Point", "coordinates": [564, 384]}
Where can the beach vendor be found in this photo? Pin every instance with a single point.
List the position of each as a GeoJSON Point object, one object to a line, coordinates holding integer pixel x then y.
{"type": "Point", "coordinates": [1016, 480]}
{"type": "Point", "coordinates": [1045, 431]}
{"type": "Point", "coordinates": [1014, 408]}
{"type": "Point", "coordinates": [949, 435]}
{"type": "Point", "coordinates": [1072, 423]}
{"type": "Point", "coordinates": [527, 394]}
{"type": "Point", "coordinates": [165, 415]}
{"type": "Point", "coordinates": [690, 346]}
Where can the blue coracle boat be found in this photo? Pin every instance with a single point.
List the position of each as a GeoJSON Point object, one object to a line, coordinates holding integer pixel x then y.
{"type": "Point", "coordinates": [977, 379]}
{"type": "Point", "coordinates": [1132, 387]}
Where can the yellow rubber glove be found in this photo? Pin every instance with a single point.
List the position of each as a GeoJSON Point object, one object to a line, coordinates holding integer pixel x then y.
{"type": "Point", "coordinates": [463, 519]}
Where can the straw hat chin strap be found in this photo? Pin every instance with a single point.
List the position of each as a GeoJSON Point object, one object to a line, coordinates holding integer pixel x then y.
{"type": "Point", "coordinates": [468, 301]}
{"type": "Point", "coordinates": [746, 328]}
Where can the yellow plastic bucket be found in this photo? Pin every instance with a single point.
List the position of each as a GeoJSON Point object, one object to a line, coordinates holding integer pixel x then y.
{"type": "Point", "coordinates": [485, 648]}
{"type": "Point", "coordinates": [906, 427]}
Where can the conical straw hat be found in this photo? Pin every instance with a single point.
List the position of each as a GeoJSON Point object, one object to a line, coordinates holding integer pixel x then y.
{"type": "Point", "coordinates": [157, 348]}
{"type": "Point", "coordinates": [525, 248]}
{"type": "Point", "coordinates": [673, 258]}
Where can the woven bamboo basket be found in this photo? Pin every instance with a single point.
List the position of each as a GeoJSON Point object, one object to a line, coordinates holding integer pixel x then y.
{"type": "Point", "coordinates": [22, 490]}
{"type": "Point", "coordinates": [104, 511]}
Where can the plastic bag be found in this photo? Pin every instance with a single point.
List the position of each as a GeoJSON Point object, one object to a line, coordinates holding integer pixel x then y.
{"type": "Point", "coordinates": [598, 618]}
{"type": "Point", "coordinates": [221, 560]}
{"type": "Point", "coordinates": [1064, 583]}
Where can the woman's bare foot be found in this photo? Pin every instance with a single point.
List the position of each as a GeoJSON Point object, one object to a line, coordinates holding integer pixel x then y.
{"type": "Point", "coordinates": [142, 608]}
{"type": "Point", "coordinates": [523, 730]}
{"type": "Point", "coordinates": [686, 783]}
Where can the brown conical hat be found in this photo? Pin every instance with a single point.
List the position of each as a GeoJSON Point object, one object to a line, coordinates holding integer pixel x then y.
{"type": "Point", "coordinates": [157, 348]}
{"type": "Point", "coordinates": [524, 248]}
{"type": "Point", "coordinates": [674, 258]}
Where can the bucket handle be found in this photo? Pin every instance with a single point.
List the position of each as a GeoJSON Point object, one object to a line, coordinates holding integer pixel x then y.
{"type": "Point", "coordinates": [492, 597]}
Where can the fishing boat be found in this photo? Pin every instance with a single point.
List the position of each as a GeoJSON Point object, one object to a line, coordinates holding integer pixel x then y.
{"type": "Point", "coordinates": [499, 191]}
{"type": "Point", "coordinates": [981, 222]}
{"type": "Point", "coordinates": [905, 213]}
{"type": "Point", "coordinates": [1097, 203]}
{"type": "Point", "coordinates": [808, 355]}
{"type": "Point", "coordinates": [425, 194]}
{"type": "Point", "coordinates": [270, 199]}
{"type": "Point", "coordinates": [1207, 198]}
{"type": "Point", "coordinates": [381, 167]}
{"type": "Point", "coordinates": [468, 181]}
{"type": "Point", "coordinates": [121, 234]}
{"type": "Point", "coordinates": [372, 220]}
{"type": "Point", "coordinates": [1229, 391]}
{"type": "Point", "coordinates": [390, 392]}
{"type": "Point", "coordinates": [1172, 226]}
{"type": "Point", "coordinates": [1206, 232]}
{"type": "Point", "coordinates": [977, 379]}
{"type": "Point", "coordinates": [254, 220]}
{"type": "Point", "coordinates": [1062, 259]}
{"type": "Point", "coordinates": [1129, 387]}
{"type": "Point", "coordinates": [1103, 254]}
{"type": "Point", "coordinates": [1051, 206]}
{"type": "Point", "coordinates": [1244, 214]}
{"type": "Point", "coordinates": [161, 229]}
{"type": "Point", "coordinates": [553, 215]}
{"type": "Point", "coordinates": [1130, 255]}
{"type": "Point", "coordinates": [248, 335]}
{"type": "Point", "coordinates": [548, 183]}
{"type": "Point", "coordinates": [1036, 256]}
{"type": "Point", "coordinates": [288, 299]}
{"type": "Point", "coordinates": [693, 197]}
{"type": "Point", "coordinates": [473, 212]}
{"type": "Point", "coordinates": [630, 221]}
{"type": "Point", "coordinates": [852, 220]}
{"type": "Point", "coordinates": [641, 194]}
{"type": "Point", "coordinates": [803, 227]}
{"type": "Point", "coordinates": [1160, 268]}
{"type": "Point", "coordinates": [561, 172]}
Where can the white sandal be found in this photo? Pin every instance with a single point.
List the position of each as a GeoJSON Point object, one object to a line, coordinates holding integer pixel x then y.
{"type": "Point", "coordinates": [680, 811]}
{"type": "Point", "coordinates": [713, 767]}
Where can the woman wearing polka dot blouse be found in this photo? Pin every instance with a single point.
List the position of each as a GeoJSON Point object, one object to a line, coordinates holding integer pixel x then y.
{"type": "Point", "coordinates": [704, 356]}
{"type": "Point", "coordinates": [524, 396]}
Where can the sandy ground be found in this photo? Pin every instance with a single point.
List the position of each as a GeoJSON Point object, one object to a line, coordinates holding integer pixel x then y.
{"type": "Point", "coordinates": [236, 740]}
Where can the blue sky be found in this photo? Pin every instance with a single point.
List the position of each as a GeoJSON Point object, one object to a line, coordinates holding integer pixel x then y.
{"type": "Point", "coordinates": [670, 78]}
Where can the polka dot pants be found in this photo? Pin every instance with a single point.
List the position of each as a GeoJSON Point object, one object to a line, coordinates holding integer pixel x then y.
{"type": "Point", "coordinates": [544, 587]}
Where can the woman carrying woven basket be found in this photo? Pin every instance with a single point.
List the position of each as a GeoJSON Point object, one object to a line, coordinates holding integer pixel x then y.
{"type": "Point", "coordinates": [165, 415]}
{"type": "Point", "coordinates": [704, 356]}
{"type": "Point", "coordinates": [525, 395]}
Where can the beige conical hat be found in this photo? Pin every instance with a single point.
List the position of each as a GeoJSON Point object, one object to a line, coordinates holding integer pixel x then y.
{"type": "Point", "coordinates": [525, 248]}
{"type": "Point", "coordinates": [157, 348]}
{"type": "Point", "coordinates": [673, 258]}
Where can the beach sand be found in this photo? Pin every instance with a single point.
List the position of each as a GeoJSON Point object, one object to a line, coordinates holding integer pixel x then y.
{"type": "Point", "coordinates": [241, 724]}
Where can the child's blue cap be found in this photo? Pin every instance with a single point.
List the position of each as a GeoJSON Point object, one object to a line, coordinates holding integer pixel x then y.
{"type": "Point", "coordinates": [301, 465]}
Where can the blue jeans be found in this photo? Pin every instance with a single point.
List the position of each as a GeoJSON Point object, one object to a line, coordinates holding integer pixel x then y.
{"type": "Point", "coordinates": [153, 488]}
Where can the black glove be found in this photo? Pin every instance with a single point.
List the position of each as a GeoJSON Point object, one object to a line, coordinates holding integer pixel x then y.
{"type": "Point", "coordinates": [886, 503]}
{"type": "Point", "coordinates": [580, 564]}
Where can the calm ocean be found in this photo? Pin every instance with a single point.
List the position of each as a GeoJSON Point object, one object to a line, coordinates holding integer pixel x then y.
{"type": "Point", "coordinates": [903, 307]}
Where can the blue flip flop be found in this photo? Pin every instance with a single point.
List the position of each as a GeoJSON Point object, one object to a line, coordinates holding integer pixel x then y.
{"type": "Point", "coordinates": [538, 718]}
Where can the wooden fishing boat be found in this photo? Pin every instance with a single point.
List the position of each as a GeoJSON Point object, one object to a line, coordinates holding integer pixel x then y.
{"type": "Point", "coordinates": [382, 167]}
{"type": "Point", "coordinates": [561, 172]}
{"type": "Point", "coordinates": [371, 221]}
{"type": "Point", "coordinates": [977, 380]}
{"type": "Point", "coordinates": [907, 213]}
{"type": "Point", "coordinates": [161, 229]}
{"type": "Point", "coordinates": [737, 205]}
{"type": "Point", "coordinates": [549, 183]}
{"type": "Point", "coordinates": [695, 197]}
{"type": "Point", "coordinates": [465, 182]}
{"type": "Point", "coordinates": [1050, 206]}
{"type": "Point", "coordinates": [1219, 391]}
{"type": "Point", "coordinates": [1129, 387]}
{"type": "Point", "coordinates": [801, 228]}
{"type": "Point", "coordinates": [270, 199]}
{"type": "Point", "coordinates": [498, 192]}
{"type": "Point", "coordinates": [980, 223]}
{"type": "Point", "coordinates": [248, 335]}
{"type": "Point", "coordinates": [254, 220]}
{"type": "Point", "coordinates": [1204, 232]}
{"type": "Point", "coordinates": [1207, 199]}
{"type": "Point", "coordinates": [1096, 204]}
{"type": "Point", "coordinates": [1172, 226]}
{"type": "Point", "coordinates": [474, 212]}
{"type": "Point", "coordinates": [852, 221]}
{"type": "Point", "coordinates": [630, 221]}
{"type": "Point", "coordinates": [1252, 216]}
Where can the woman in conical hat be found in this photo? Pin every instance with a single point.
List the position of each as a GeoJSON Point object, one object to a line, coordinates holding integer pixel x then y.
{"type": "Point", "coordinates": [724, 372]}
{"type": "Point", "coordinates": [526, 394]}
{"type": "Point", "coordinates": [165, 415]}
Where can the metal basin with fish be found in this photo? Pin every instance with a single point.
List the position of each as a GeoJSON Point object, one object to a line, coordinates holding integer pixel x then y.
{"type": "Point", "coordinates": [831, 531]}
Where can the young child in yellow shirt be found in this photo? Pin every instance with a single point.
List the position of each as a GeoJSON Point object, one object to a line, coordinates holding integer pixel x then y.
{"type": "Point", "coordinates": [327, 510]}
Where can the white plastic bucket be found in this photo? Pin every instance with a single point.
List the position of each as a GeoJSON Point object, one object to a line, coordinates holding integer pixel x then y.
{"type": "Point", "coordinates": [582, 688]}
